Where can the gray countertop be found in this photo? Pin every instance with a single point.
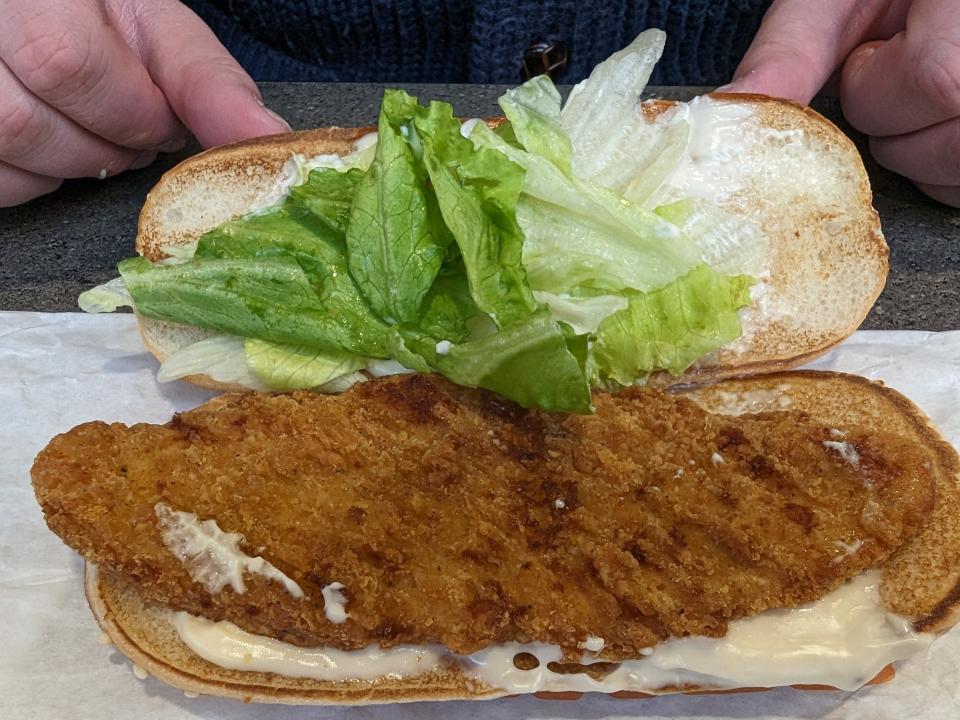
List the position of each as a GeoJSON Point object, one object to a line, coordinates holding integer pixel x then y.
{"type": "Point", "coordinates": [55, 247]}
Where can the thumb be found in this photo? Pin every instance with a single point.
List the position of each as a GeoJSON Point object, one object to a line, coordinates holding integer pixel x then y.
{"type": "Point", "coordinates": [799, 45]}
{"type": "Point", "coordinates": [207, 89]}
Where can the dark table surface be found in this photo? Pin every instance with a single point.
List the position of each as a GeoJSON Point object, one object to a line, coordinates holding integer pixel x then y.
{"type": "Point", "coordinates": [54, 247]}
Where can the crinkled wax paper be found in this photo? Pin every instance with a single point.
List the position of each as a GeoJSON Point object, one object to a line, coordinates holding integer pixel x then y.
{"type": "Point", "coordinates": [59, 370]}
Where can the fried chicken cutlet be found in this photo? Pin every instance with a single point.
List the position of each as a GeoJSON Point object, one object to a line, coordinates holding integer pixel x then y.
{"type": "Point", "coordinates": [451, 516]}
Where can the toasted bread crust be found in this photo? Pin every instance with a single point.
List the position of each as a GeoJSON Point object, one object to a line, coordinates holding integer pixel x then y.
{"type": "Point", "coordinates": [829, 263]}
{"type": "Point", "coordinates": [144, 634]}
{"type": "Point", "coordinates": [234, 175]}
{"type": "Point", "coordinates": [921, 582]}
{"type": "Point", "coordinates": [859, 250]}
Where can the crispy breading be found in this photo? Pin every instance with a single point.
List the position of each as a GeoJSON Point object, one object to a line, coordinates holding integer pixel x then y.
{"type": "Point", "coordinates": [454, 517]}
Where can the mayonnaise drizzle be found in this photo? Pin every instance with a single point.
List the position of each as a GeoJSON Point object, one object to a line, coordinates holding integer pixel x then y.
{"type": "Point", "coordinates": [845, 450]}
{"type": "Point", "coordinates": [753, 401]}
{"type": "Point", "coordinates": [844, 639]}
{"type": "Point", "coordinates": [228, 646]}
{"type": "Point", "coordinates": [718, 139]}
{"type": "Point", "coordinates": [334, 603]}
{"type": "Point", "coordinates": [212, 557]}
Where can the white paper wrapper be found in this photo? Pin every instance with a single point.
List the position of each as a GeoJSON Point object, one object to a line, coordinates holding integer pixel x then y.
{"type": "Point", "coordinates": [59, 370]}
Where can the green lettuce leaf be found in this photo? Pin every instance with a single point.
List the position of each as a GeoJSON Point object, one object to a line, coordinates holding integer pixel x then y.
{"type": "Point", "coordinates": [288, 230]}
{"type": "Point", "coordinates": [395, 247]}
{"type": "Point", "coordinates": [583, 314]}
{"type": "Point", "coordinates": [477, 191]}
{"type": "Point", "coordinates": [601, 115]}
{"type": "Point", "coordinates": [328, 196]}
{"type": "Point", "coordinates": [672, 327]}
{"type": "Point", "coordinates": [270, 298]}
{"type": "Point", "coordinates": [533, 362]}
{"type": "Point", "coordinates": [106, 298]}
{"type": "Point", "coordinates": [287, 367]}
{"type": "Point", "coordinates": [578, 232]}
{"type": "Point", "coordinates": [308, 226]}
{"type": "Point", "coordinates": [730, 244]}
{"type": "Point", "coordinates": [220, 357]}
{"type": "Point", "coordinates": [533, 110]}
{"type": "Point", "coordinates": [447, 308]}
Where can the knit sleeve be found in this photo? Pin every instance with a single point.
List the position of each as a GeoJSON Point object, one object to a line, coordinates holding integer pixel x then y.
{"type": "Point", "coordinates": [483, 41]}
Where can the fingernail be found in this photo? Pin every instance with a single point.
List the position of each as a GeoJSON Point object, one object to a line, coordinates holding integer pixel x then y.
{"type": "Point", "coordinates": [274, 115]}
{"type": "Point", "coordinates": [279, 119]}
{"type": "Point", "coordinates": [143, 159]}
{"type": "Point", "coordinates": [860, 56]}
{"type": "Point", "coordinates": [857, 61]}
{"type": "Point", "coordinates": [724, 88]}
{"type": "Point", "coordinates": [172, 146]}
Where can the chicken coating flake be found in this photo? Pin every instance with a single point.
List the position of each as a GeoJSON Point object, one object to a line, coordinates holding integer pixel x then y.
{"type": "Point", "coordinates": [454, 517]}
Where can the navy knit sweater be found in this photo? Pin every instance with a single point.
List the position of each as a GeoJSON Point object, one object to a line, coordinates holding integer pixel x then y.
{"type": "Point", "coordinates": [476, 41]}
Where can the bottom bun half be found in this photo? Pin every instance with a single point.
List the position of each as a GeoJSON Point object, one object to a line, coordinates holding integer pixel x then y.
{"type": "Point", "coordinates": [144, 633]}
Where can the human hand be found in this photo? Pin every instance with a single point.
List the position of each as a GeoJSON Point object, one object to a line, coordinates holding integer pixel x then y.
{"type": "Point", "coordinates": [899, 63]}
{"type": "Point", "coordinates": [90, 88]}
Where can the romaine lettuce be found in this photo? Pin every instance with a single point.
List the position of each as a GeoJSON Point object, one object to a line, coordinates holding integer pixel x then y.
{"type": "Point", "coordinates": [477, 191]}
{"type": "Point", "coordinates": [521, 260]}
{"type": "Point", "coordinates": [287, 367]}
{"type": "Point", "coordinates": [395, 248]}
{"type": "Point", "coordinates": [534, 363]}
{"type": "Point", "coordinates": [221, 358]}
{"type": "Point", "coordinates": [672, 327]}
{"type": "Point", "coordinates": [269, 298]}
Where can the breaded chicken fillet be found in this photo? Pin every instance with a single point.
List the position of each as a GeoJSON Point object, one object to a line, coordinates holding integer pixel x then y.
{"type": "Point", "coordinates": [451, 516]}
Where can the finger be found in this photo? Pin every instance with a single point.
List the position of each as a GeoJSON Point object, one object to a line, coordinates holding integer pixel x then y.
{"type": "Point", "coordinates": [18, 186]}
{"type": "Point", "coordinates": [910, 81]}
{"type": "Point", "coordinates": [66, 53]}
{"type": "Point", "coordinates": [931, 155]}
{"type": "Point", "coordinates": [947, 194]}
{"type": "Point", "coordinates": [207, 88]}
{"type": "Point", "coordinates": [801, 42]}
{"type": "Point", "coordinates": [35, 137]}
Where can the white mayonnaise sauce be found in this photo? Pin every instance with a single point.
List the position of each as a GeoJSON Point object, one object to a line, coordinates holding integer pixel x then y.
{"type": "Point", "coordinates": [846, 549]}
{"type": "Point", "coordinates": [709, 168]}
{"type": "Point", "coordinates": [212, 557]}
{"type": "Point", "coordinates": [228, 646]}
{"type": "Point", "coordinates": [334, 603]}
{"type": "Point", "coordinates": [844, 639]}
{"type": "Point", "coordinates": [845, 450]}
{"type": "Point", "coordinates": [753, 401]}
{"type": "Point", "coordinates": [593, 644]}
{"type": "Point", "coordinates": [382, 368]}
{"type": "Point", "coordinates": [298, 167]}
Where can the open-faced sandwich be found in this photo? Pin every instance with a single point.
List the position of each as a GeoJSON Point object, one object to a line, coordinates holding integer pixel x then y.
{"type": "Point", "coordinates": [592, 473]}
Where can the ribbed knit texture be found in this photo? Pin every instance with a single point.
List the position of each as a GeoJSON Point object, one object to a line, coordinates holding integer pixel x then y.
{"type": "Point", "coordinates": [479, 41]}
